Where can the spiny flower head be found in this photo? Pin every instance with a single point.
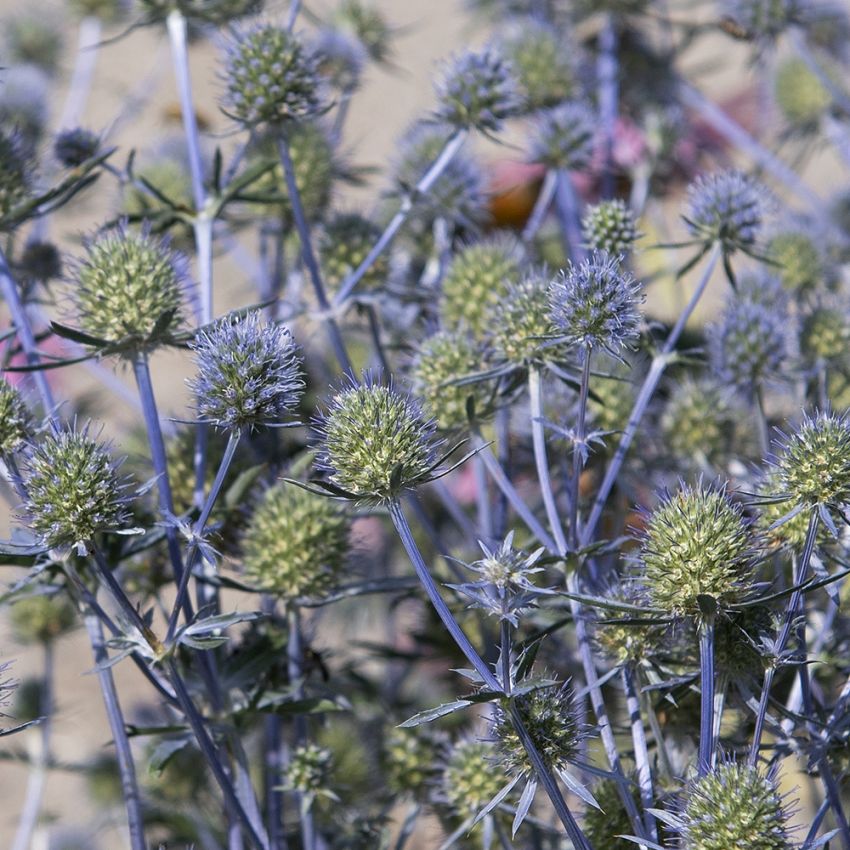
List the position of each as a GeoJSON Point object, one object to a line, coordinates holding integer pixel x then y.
{"type": "Point", "coordinates": [33, 39]}
{"type": "Point", "coordinates": [609, 226]}
{"type": "Point", "coordinates": [727, 207]}
{"type": "Point", "coordinates": [376, 442]}
{"type": "Point", "coordinates": [296, 543]}
{"type": "Point", "coordinates": [249, 372]}
{"type": "Point", "coordinates": [73, 490]}
{"type": "Point", "coordinates": [42, 618]}
{"type": "Point", "coordinates": [799, 94]}
{"type": "Point", "coordinates": [551, 720]}
{"type": "Point", "coordinates": [699, 421]}
{"type": "Point", "coordinates": [477, 91]}
{"type": "Point", "coordinates": [563, 137]}
{"type": "Point", "coordinates": [40, 261]}
{"type": "Point", "coordinates": [520, 323]}
{"type": "Point", "coordinates": [129, 289]}
{"type": "Point", "coordinates": [813, 464]}
{"type": "Point", "coordinates": [734, 806]}
{"type": "Point", "coordinates": [340, 58]}
{"type": "Point", "coordinates": [271, 77]}
{"type": "Point", "coordinates": [799, 260]}
{"type": "Point", "coordinates": [750, 345]}
{"type": "Point", "coordinates": [476, 280]}
{"type": "Point", "coordinates": [367, 23]}
{"type": "Point", "coordinates": [73, 147]}
{"type": "Point", "coordinates": [738, 638]}
{"type": "Point", "coordinates": [825, 331]}
{"type": "Point", "coordinates": [409, 759]}
{"type": "Point", "coordinates": [541, 63]}
{"type": "Point", "coordinates": [595, 304]}
{"type": "Point", "coordinates": [625, 642]}
{"type": "Point", "coordinates": [108, 11]}
{"type": "Point", "coordinates": [443, 358]}
{"type": "Point", "coordinates": [605, 824]}
{"type": "Point", "coordinates": [344, 243]}
{"type": "Point", "coordinates": [309, 769]}
{"type": "Point", "coordinates": [614, 393]}
{"type": "Point", "coordinates": [16, 423]}
{"type": "Point", "coordinates": [469, 781]}
{"type": "Point", "coordinates": [15, 173]}
{"type": "Point", "coordinates": [696, 543]}
{"type": "Point", "coordinates": [23, 103]}
{"type": "Point", "coordinates": [776, 530]}
{"type": "Point", "coordinates": [216, 12]}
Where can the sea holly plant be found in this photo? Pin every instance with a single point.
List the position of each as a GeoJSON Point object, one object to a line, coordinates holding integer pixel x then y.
{"type": "Point", "coordinates": [485, 488]}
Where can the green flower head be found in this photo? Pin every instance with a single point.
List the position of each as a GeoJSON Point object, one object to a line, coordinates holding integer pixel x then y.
{"type": "Point", "coordinates": [42, 618]}
{"type": "Point", "coordinates": [696, 543]}
{"type": "Point", "coordinates": [469, 780]}
{"type": "Point", "coordinates": [16, 424]}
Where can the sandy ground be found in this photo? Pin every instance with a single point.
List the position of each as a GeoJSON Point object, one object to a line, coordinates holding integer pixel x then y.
{"type": "Point", "coordinates": [139, 66]}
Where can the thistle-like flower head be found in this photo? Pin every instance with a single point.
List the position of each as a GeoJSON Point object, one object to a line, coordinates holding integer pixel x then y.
{"type": "Point", "coordinates": [40, 261]}
{"type": "Point", "coordinates": [477, 91]}
{"type": "Point", "coordinates": [750, 345]}
{"type": "Point", "coordinates": [798, 256]}
{"type": "Point", "coordinates": [444, 358]}
{"type": "Point", "coordinates": [73, 490]}
{"type": "Point", "coordinates": [800, 95]}
{"type": "Point", "coordinates": [296, 543]}
{"type": "Point", "coordinates": [344, 242]}
{"type": "Point", "coordinates": [215, 12]}
{"type": "Point", "coordinates": [409, 758]}
{"type": "Point", "coordinates": [520, 323]}
{"type": "Point", "coordinates": [727, 207]}
{"type": "Point", "coordinates": [734, 806]}
{"type": "Point", "coordinates": [271, 77]}
{"type": "Point", "coordinates": [130, 289]}
{"type": "Point", "coordinates": [550, 717]}
{"type": "Point", "coordinates": [604, 825]}
{"type": "Point", "coordinates": [368, 24]}
{"type": "Point", "coordinates": [813, 463]}
{"type": "Point", "coordinates": [696, 543]}
{"type": "Point", "coordinates": [541, 63]}
{"type": "Point", "coordinates": [249, 373]}
{"type": "Point", "coordinates": [563, 137]}
{"type": "Point", "coordinates": [825, 331]}
{"type": "Point", "coordinates": [33, 39]}
{"type": "Point", "coordinates": [309, 769]}
{"type": "Point", "coordinates": [341, 58]}
{"type": "Point", "coordinates": [469, 781]}
{"type": "Point", "coordinates": [476, 280]}
{"type": "Point", "coordinates": [376, 442]}
{"type": "Point", "coordinates": [16, 423]}
{"type": "Point", "coordinates": [595, 304]}
{"type": "Point", "coordinates": [609, 226]}
{"type": "Point", "coordinates": [15, 173]}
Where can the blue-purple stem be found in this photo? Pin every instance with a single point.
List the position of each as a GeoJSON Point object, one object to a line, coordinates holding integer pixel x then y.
{"type": "Point", "coordinates": [608, 72]}
{"type": "Point", "coordinates": [452, 146]}
{"type": "Point", "coordinates": [541, 206]}
{"type": "Point", "coordinates": [568, 206]}
{"type": "Point", "coordinates": [650, 383]}
{"type": "Point", "coordinates": [641, 749]}
{"type": "Point", "coordinates": [705, 761]}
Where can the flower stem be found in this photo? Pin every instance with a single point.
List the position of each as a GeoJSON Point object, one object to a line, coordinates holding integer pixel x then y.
{"type": "Point", "coordinates": [569, 215]}
{"type": "Point", "coordinates": [309, 255]}
{"type": "Point", "coordinates": [656, 370]}
{"type": "Point", "coordinates": [607, 73]}
{"type": "Point", "coordinates": [579, 450]}
{"type": "Point", "coordinates": [541, 206]}
{"type": "Point", "coordinates": [85, 60]}
{"type": "Point", "coordinates": [450, 149]}
{"type": "Point", "coordinates": [706, 669]}
{"type": "Point", "coordinates": [124, 754]}
{"type": "Point", "coordinates": [641, 749]}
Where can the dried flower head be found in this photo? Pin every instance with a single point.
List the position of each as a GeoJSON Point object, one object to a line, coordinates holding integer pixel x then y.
{"type": "Point", "coordinates": [376, 442]}
{"type": "Point", "coordinates": [813, 463]}
{"type": "Point", "coordinates": [249, 373]}
{"type": "Point", "coordinates": [609, 226]}
{"type": "Point", "coordinates": [42, 618]}
{"type": "Point", "coordinates": [727, 207]}
{"type": "Point", "coordinates": [469, 781]}
{"type": "Point", "coordinates": [595, 304]}
{"type": "Point", "coordinates": [564, 137]}
{"type": "Point", "coordinates": [443, 359]}
{"type": "Point", "coordinates": [550, 717]}
{"type": "Point", "coordinates": [129, 289]}
{"type": "Point", "coordinates": [476, 280]}
{"type": "Point", "coordinates": [296, 543]}
{"type": "Point", "coordinates": [541, 63]}
{"type": "Point", "coordinates": [477, 91]}
{"type": "Point", "coordinates": [750, 345]}
{"type": "Point", "coordinates": [16, 423]}
{"type": "Point", "coordinates": [271, 77]}
{"type": "Point", "coordinates": [734, 806]}
{"type": "Point", "coordinates": [520, 323]}
{"type": "Point", "coordinates": [344, 242]}
{"type": "Point", "coordinates": [696, 543]}
{"type": "Point", "coordinates": [73, 490]}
